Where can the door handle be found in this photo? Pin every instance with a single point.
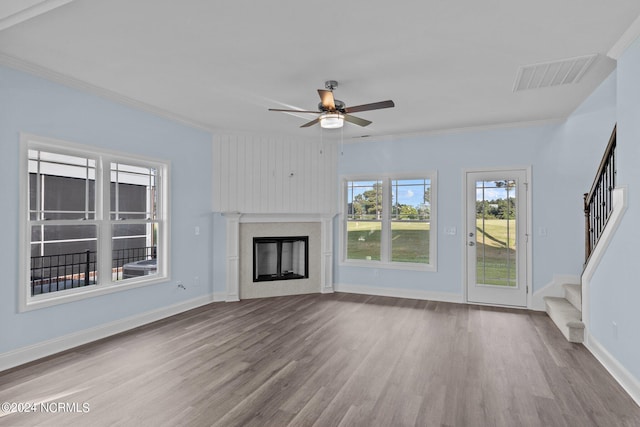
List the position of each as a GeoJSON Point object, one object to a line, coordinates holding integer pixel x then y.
{"type": "Point", "coordinates": [472, 244]}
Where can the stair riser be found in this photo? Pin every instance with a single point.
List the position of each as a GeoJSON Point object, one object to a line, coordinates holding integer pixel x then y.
{"type": "Point", "coordinates": [573, 294]}
{"type": "Point", "coordinates": [566, 318]}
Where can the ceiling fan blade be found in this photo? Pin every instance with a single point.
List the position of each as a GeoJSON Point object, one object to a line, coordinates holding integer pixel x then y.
{"type": "Point", "coordinates": [326, 96]}
{"type": "Point", "coordinates": [368, 107]}
{"type": "Point", "coordinates": [293, 111]}
{"type": "Point", "coordinates": [357, 120]}
{"type": "Point", "coordinates": [311, 123]}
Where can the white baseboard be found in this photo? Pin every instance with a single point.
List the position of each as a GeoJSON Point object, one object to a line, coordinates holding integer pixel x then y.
{"type": "Point", "coordinates": [552, 289]}
{"type": "Point", "coordinates": [219, 296]}
{"type": "Point", "coordinates": [33, 352]}
{"type": "Point", "coordinates": [399, 293]}
{"type": "Point", "coordinates": [628, 382]}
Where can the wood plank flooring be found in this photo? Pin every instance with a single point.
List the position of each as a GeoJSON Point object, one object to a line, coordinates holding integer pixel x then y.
{"type": "Point", "coordinates": [328, 360]}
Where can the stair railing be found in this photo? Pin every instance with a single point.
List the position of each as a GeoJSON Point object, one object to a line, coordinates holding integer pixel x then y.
{"type": "Point", "coordinates": [599, 200]}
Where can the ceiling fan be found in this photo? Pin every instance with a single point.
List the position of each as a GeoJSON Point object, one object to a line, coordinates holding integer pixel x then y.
{"type": "Point", "coordinates": [333, 113]}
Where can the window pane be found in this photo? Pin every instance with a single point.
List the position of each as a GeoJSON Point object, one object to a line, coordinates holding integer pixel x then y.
{"type": "Point", "coordinates": [411, 199]}
{"type": "Point", "coordinates": [133, 192]}
{"type": "Point", "coordinates": [62, 257]}
{"type": "Point", "coordinates": [68, 198]}
{"type": "Point", "coordinates": [363, 240]}
{"type": "Point", "coordinates": [496, 233]}
{"type": "Point", "coordinates": [134, 250]}
{"type": "Point", "coordinates": [61, 187]}
{"type": "Point", "coordinates": [410, 241]}
{"type": "Point", "coordinates": [364, 200]}
{"type": "Point", "coordinates": [410, 220]}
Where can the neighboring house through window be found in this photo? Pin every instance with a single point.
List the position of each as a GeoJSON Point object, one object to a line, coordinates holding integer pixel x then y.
{"type": "Point", "coordinates": [94, 222]}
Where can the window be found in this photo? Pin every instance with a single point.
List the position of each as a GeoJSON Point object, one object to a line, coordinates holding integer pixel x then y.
{"type": "Point", "coordinates": [95, 222]}
{"type": "Point", "coordinates": [389, 221]}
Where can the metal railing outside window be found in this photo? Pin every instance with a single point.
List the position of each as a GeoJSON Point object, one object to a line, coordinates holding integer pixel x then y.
{"type": "Point", "coordinates": [53, 273]}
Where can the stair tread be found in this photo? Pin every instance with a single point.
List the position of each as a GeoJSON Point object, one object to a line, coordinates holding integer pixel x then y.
{"type": "Point", "coordinates": [566, 317]}
{"type": "Point", "coordinates": [560, 304]}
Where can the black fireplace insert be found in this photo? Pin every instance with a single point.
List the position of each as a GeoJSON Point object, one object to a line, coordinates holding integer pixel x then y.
{"type": "Point", "coordinates": [280, 258]}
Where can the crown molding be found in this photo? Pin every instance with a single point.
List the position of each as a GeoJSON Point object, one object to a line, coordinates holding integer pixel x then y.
{"type": "Point", "coordinates": [628, 37]}
{"type": "Point", "coordinates": [74, 83]}
{"type": "Point", "coordinates": [30, 12]}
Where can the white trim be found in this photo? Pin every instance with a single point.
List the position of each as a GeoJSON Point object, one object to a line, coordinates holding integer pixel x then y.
{"type": "Point", "coordinates": [552, 289]}
{"type": "Point", "coordinates": [625, 378]}
{"type": "Point", "coordinates": [399, 293]}
{"type": "Point", "coordinates": [33, 352]}
{"type": "Point", "coordinates": [392, 137]}
{"type": "Point", "coordinates": [219, 297]}
{"type": "Point", "coordinates": [627, 38]}
{"type": "Point", "coordinates": [408, 266]}
{"type": "Point", "coordinates": [326, 255]}
{"type": "Point", "coordinates": [233, 256]}
{"type": "Point", "coordinates": [619, 207]}
{"type": "Point", "coordinates": [27, 13]}
{"type": "Point", "coordinates": [247, 218]}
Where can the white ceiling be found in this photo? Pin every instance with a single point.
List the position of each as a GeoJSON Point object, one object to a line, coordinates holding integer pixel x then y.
{"type": "Point", "coordinates": [222, 64]}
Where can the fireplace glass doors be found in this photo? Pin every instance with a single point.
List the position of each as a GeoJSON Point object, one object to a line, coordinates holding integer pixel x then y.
{"type": "Point", "coordinates": [280, 258]}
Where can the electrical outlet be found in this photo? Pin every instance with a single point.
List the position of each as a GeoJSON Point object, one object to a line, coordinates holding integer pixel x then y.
{"type": "Point", "coordinates": [196, 281]}
{"type": "Point", "coordinates": [615, 329]}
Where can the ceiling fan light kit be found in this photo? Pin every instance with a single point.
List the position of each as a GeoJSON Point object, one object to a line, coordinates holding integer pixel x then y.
{"type": "Point", "coordinates": [333, 112]}
{"type": "Point", "coordinates": [331, 120]}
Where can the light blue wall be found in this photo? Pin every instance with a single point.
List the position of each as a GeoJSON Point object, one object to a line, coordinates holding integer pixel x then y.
{"type": "Point", "coordinates": [449, 155]}
{"type": "Point", "coordinates": [37, 106]}
{"type": "Point", "coordinates": [563, 158]}
{"type": "Point", "coordinates": [615, 286]}
{"type": "Point", "coordinates": [568, 167]}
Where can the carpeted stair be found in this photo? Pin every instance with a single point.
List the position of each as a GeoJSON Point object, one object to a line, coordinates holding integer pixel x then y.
{"type": "Point", "coordinates": [566, 312]}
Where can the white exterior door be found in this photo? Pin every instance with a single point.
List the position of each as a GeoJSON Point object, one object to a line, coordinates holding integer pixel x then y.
{"type": "Point", "coordinates": [496, 237]}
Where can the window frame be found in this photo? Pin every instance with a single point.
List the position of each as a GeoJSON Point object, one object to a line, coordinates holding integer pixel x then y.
{"type": "Point", "coordinates": [385, 241]}
{"type": "Point", "coordinates": [102, 220]}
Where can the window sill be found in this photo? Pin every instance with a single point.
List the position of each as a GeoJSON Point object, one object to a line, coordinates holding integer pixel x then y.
{"type": "Point", "coordinates": [388, 265]}
{"type": "Point", "coordinates": [78, 294]}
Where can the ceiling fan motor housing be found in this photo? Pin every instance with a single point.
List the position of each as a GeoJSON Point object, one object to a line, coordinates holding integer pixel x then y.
{"type": "Point", "coordinates": [340, 106]}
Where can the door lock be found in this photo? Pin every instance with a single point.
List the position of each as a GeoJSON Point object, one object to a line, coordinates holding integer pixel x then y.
{"type": "Point", "coordinates": [472, 244]}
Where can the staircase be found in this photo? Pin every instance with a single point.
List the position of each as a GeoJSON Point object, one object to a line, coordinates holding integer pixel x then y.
{"type": "Point", "coordinates": [598, 209]}
{"type": "Point", "coordinates": [566, 312]}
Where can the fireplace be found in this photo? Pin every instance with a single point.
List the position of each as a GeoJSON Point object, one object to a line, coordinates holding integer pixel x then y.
{"type": "Point", "coordinates": [314, 276]}
{"type": "Point", "coordinates": [280, 258]}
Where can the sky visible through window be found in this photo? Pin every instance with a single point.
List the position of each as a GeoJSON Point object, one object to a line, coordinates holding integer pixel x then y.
{"type": "Point", "coordinates": [493, 190]}
{"type": "Point", "coordinates": [410, 191]}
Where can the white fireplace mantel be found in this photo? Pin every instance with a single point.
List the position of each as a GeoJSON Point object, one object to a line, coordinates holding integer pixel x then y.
{"type": "Point", "coordinates": [233, 221]}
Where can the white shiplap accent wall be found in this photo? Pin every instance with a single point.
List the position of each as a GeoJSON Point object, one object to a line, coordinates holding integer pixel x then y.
{"type": "Point", "coordinates": [255, 174]}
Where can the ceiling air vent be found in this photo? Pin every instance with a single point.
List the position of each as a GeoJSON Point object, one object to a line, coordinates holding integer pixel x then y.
{"type": "Point", "coordinates": [554, 73]}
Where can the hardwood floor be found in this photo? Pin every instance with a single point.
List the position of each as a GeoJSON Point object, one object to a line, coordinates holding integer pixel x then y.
{"type": "Point", "coordinates": [328, 360]}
